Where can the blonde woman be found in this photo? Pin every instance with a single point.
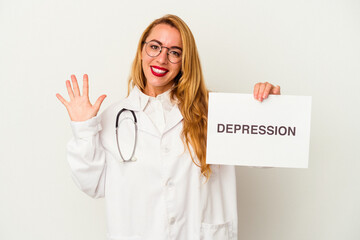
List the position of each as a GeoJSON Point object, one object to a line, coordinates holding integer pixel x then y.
{"type": "Point", "coordinates": [152, 171]}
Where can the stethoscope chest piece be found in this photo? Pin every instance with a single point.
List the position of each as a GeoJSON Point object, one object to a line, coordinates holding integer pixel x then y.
{"type": "Point", "coordinates": [132, 158]}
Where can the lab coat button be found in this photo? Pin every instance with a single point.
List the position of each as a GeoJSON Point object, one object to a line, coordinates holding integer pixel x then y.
{"type": "Point", "coordinates": [166, 149]}
{"type": "Point", "coordinates": [170, 184]}
{"type": "Point", "coordinates": [171, 221]}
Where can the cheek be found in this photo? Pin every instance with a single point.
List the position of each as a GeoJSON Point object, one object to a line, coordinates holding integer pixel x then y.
{"type": "Point", "coordinates": [144, 63]}
{"type": "Point", "coordinates": [145, 59]}
{"type": "Point", "coordinates": [178, 69]}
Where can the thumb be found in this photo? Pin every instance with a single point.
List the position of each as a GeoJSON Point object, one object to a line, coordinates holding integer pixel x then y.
{"type": "Point", "coordinates": [276, 90]}
{"type": "Point", "coordinates": [99, 102]}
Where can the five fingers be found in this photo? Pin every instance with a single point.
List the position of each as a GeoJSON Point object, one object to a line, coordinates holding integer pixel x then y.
{"type": "Point", "coordinates": [262, 90]}
{"type": "Point", "coordinates": [74, 91]}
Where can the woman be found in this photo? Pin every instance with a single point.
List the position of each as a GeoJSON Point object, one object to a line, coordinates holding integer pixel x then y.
{"type": "Point", "coordinates": [166, 190]}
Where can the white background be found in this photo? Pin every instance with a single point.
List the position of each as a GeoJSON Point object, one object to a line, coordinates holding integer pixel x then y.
{"type": "Point", "coordinates": [307, 47]}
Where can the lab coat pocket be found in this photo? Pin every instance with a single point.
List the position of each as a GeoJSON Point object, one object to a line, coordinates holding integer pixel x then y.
{"type": "Point", "coordinates": [223, 231]}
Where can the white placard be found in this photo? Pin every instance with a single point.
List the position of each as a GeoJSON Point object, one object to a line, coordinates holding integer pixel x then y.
{"type": "Point", "coordinates": [246, 132]}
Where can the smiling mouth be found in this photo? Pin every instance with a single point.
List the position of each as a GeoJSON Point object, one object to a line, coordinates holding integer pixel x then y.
{"type": "Point", "coordinates": [158, 72]}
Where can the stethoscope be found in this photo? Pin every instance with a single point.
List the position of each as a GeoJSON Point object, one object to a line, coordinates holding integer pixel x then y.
{"type": "Point", "coordinates": [132, 158]}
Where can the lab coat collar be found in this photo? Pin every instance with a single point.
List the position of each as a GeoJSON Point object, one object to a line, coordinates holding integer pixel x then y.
{"type": "Point", "coordinates": [137, 103]}
{"type": "Point", "coordinates": [175, 117]}
{"type": "Point", "coordinates": [132, 102]}
{"type": "Point", "coordinates": [164, 98]}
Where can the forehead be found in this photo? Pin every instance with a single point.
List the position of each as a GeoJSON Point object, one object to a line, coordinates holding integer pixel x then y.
{"type": "Point", "coordinates": [166, 34]}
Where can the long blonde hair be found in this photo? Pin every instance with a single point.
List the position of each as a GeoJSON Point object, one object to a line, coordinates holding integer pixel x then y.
{"type": "Point", "coordinates": [189, 89]}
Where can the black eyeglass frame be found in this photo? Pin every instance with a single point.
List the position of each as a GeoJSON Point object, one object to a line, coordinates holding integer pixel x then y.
{"type": "Point", "coordinates": [161, 47]}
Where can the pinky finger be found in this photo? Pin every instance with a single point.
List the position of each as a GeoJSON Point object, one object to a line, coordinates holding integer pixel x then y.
{"type": "Point", "coordinates": [62, 100]}
{"type": "Point", "coordinates": [256, 90]}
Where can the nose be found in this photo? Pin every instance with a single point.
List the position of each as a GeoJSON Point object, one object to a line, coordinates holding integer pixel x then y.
{"type": "Point", "coordinates": [162, 57]}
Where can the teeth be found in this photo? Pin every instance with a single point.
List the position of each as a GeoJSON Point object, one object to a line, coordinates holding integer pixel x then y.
{"type": "Point", "coordinates": [158, 70]}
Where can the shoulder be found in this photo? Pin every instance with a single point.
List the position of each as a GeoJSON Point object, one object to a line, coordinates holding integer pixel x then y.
{"type": "Point", "coordinates": [130, 102]}
{"type": "Point", "coordinates": [110, 112]}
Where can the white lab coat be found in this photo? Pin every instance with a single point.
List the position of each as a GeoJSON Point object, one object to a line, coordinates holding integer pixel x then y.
{"type": "Point", "coordinates": [162, 195]}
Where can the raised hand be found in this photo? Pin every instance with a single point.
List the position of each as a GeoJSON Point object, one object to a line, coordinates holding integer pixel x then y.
{"type": "Point", "coordinates": [79, 107]}
{"type": "Point", "coordinates": [262, 90]}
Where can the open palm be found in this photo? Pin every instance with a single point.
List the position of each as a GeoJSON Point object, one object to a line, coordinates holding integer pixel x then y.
{"type": "Point", "coordinates": [79, 106]}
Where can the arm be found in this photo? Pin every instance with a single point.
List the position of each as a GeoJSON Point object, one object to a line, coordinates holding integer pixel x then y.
{"type": "Point", "coordinates": [85, 153]}
{"type": "Point", "coordinates": [86, 157]}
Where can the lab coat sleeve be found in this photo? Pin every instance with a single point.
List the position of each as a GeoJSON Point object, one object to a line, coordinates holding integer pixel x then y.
{"type": "Point", "coordinates": [86, 157]}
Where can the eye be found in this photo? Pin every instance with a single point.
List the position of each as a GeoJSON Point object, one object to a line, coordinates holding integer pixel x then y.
{"type": "Point", "coordinates": [154, 46]}
{"type": "Point", "coordinates": [175, 53]}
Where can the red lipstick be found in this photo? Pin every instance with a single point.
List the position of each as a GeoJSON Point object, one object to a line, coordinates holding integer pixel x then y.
{"type": "Point", "coordinates": [158, 71]}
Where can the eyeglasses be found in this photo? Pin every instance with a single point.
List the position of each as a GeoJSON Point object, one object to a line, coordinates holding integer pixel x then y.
{"type": "Point", "coordinates": [153, 49]}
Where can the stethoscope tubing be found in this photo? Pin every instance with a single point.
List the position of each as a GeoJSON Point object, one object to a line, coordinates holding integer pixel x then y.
{"type": "Point", "coordinates": [116, 133]}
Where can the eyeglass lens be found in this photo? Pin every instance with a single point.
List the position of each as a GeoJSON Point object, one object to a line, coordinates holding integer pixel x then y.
{"type": "Point", "coordinates": [153, 49]}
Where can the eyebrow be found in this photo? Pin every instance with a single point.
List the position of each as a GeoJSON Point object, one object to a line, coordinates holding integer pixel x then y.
{"type": "Point", "coordinates": [162, 44]}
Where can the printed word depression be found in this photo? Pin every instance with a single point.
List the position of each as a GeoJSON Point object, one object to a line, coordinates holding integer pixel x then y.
{"type": "Point", "coordinates": [256, 129]}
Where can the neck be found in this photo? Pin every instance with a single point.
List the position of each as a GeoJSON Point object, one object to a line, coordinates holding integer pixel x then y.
{"type": "Point", "coordinates": [154, 91]}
